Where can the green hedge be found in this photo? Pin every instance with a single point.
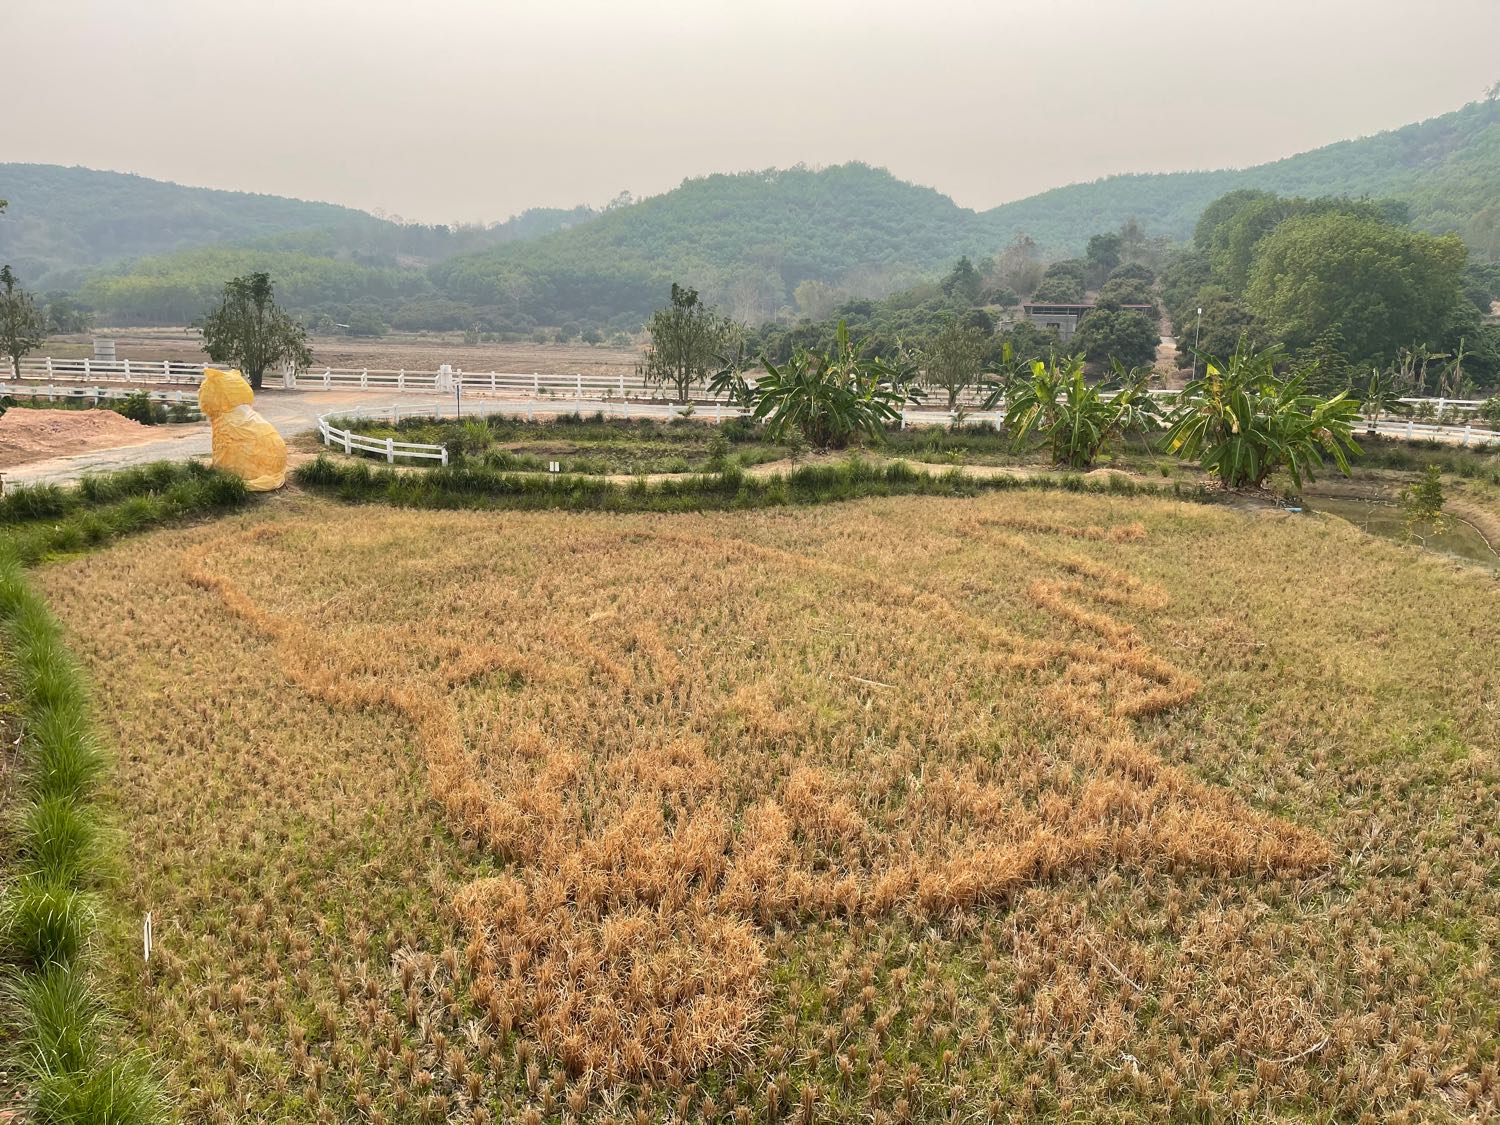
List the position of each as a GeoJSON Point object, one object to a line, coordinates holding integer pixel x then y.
{"type": "Point", "coordinates": [50, 900]}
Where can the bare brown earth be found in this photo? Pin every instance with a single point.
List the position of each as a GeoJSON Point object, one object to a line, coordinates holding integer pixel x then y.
{"type": "Point", "coordinates": [421, 352]}
{"type": "Point", "coordinates": [30, 435]}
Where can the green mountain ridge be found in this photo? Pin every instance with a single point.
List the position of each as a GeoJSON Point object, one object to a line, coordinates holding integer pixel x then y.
{"type": "Point", "coordinates": [143, 251]}
{"type": "Point", "coordinates": [1446, 168]}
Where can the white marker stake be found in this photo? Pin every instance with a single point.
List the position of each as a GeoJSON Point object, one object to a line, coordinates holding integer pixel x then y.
{"type": "Point", "coordinates": [146, 937]}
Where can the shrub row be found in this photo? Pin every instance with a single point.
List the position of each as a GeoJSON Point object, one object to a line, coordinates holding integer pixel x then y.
{"type": "Point", "coordinates": [41, 519]}
{"type": "Point", "coordinates": [50, 902]}
{"type": "Point", "coordinates": [468, 487]}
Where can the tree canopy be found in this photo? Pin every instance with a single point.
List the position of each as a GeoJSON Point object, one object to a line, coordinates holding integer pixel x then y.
{"type": "Point", "coordinates": [1382, 285]}
{"type": "Point", "coordinates": [248, 329]}
{"type": "Point", "coordinates": [22, 324]}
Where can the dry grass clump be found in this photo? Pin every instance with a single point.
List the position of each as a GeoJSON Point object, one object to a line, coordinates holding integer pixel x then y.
{"type": "Point", "coordinates": [895, 811]}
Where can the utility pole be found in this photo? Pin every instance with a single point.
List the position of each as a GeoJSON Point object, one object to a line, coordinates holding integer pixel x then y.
{"type": "Point", "coordinates": [1197, 328]}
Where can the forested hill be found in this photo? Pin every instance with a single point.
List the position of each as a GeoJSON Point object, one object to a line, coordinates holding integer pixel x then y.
{"type": "Point", "coordinates": [61, 219]}
{"type": "Point", "coordinates": [140, 251]}
{"type": "Point", "coordinates": [744, 240]}
{"type": "Point", "coordinates": [748, 240]}
{"type": "Point", "coordinates": [64, 222]}
{"type": "Point", "coordinates": [1446, 169]}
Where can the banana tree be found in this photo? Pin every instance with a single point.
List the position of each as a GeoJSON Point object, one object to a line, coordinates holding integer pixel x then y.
{"type": "Point", "coordinates": [1381, 397]}
{"type": "Point", "coordinates": [1242, 422]}
{"type": "Point", "coordinates": [1077, 419]}
{"type": "Point", "coordinates": [831, 398]}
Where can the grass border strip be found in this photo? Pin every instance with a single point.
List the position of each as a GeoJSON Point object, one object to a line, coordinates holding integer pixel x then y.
{"type": "Point", "coordinates": [730, 490]}
{"type": "Point", "coordinates": [48, 913]}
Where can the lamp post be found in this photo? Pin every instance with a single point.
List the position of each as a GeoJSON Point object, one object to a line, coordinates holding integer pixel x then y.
{"type": "Point", "coordinates": [1197, 328]}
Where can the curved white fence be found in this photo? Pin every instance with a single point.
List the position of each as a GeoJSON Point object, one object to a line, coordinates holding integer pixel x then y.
{"type": "Point", "coordinates": [351, 442]}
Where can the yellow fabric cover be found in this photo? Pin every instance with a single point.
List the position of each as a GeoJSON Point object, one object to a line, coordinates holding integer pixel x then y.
{"type": "Point", "coordinates": [221, 391]}
{"type": "Point", "coordinates": [244, 443]}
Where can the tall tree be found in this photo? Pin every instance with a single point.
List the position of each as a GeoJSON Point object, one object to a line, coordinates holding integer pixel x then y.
{"type": "Point", "coordinates": [22, 325]}
{"type": "Point", "coordinates": [1384, 286]}
{"type": "Point", "coordinates": [1117, 334]}
{"type": "Point", "coordinates": [248, 329]}
{"type": "Point", "coordinates": [1018, 267]}
{"type": "Point", "coordinates": [963, 282]}
{"type": "Point", "coordinates": [688, 339]}
{"type": "Point", "coordinates": [952, 359]}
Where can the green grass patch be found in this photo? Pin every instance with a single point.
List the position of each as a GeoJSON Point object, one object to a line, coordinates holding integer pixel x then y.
{"type": "Point", "coordinates": [469, 487]}
{"type": "Point", "coordinates": [45, 519]}
{"type": "Point", "coordinates": [50, 902]}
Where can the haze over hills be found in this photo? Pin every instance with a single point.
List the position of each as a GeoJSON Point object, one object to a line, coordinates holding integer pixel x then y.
{"type": "Point", "coordinates": [144, 251]}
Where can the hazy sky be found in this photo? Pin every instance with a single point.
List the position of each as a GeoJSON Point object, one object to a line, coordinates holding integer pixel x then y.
{"type": "Point", "coordinates": [445, 110]}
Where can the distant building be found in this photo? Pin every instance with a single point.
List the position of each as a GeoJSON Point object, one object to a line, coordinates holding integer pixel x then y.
{"type": "Point", "coordinates": [1063, 316]}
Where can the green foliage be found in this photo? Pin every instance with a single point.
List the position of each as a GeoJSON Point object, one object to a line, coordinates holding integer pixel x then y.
{"type": "Point", "coordinates": [1422, 506]}
{"type": "Point", "coordinates": [248, 329]}
{"type": "Point", "coordinates": [1059, 290]}
{"type": "Point", "coordinates": [831, 398]}
{"type": "Point", "coordinates": [1242, 422]}
{"type": "Point", "coordinates": [1380, 396]}
{"type": "Point", "coordinates": [1077, 419]}
{"type": "Point", "coordinates": [953, 358]}
{"type": "Point", "coordinates": [1445, 170]}
{"type": "Point", "coordinates": [1382, 285]}
{"type": "Point", "coordinates": [22, 325]}
{"type": "Point", "coordinates": [1124, 335]}
{"type": "Point", "coordinates": [68, 220]}
{"type": "Point", "coordinates": [963, 282]}
{"type": "Point", "coordinates": [746, 242]}
{"type": "Point", "coordinates": [140, 407]}
{"type": "Point", "coordinates": [688, 340]}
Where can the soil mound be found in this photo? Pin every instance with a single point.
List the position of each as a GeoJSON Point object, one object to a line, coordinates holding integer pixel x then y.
{"type": "Point", "coordinates": [34, 435]}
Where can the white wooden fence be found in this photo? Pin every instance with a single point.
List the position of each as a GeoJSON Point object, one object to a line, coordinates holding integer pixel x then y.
{"type": "Point", "coordinates": [448, 380]}
{"type": "Point", "coordinates": [351, 442]}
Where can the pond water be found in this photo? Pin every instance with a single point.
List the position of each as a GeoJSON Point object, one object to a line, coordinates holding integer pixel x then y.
{"type": "Point", "coordinates": [1377, 518]}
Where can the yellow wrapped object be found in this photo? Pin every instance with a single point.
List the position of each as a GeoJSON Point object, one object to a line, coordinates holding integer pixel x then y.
{"type": "Point", "coordinates": [221, 391]}
{"type": "Point", "coordinates": [244, 443]}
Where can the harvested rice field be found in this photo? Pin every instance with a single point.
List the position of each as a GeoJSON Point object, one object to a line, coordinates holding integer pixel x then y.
{"type": "Point", "coordinates": [1025, 806]}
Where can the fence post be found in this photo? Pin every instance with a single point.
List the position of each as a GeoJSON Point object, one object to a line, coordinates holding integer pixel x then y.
{"type": "Point", "coordinates": [127, 369]}
{"type": "Point", "coordinates": [348, 443]}
{"type": "Point", "coordinates": [401, 379]}
{"type": "Point", "coordinates": [1467, 430]}
{"type": "Point", "coordinates": [87, 369]}
{"type": "Point", "coordinates": [390, 451]}
{"type": "Point", "coordinates": [49, 369]}
{"type": "Point", "coordinates": [445, 456]}
{"type": "Point", "coordinates": [622, 384]}
{"type": "Point", "coordinates": [1411, 428]}
{"type": "Point", "coordinates": [536, 383]}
